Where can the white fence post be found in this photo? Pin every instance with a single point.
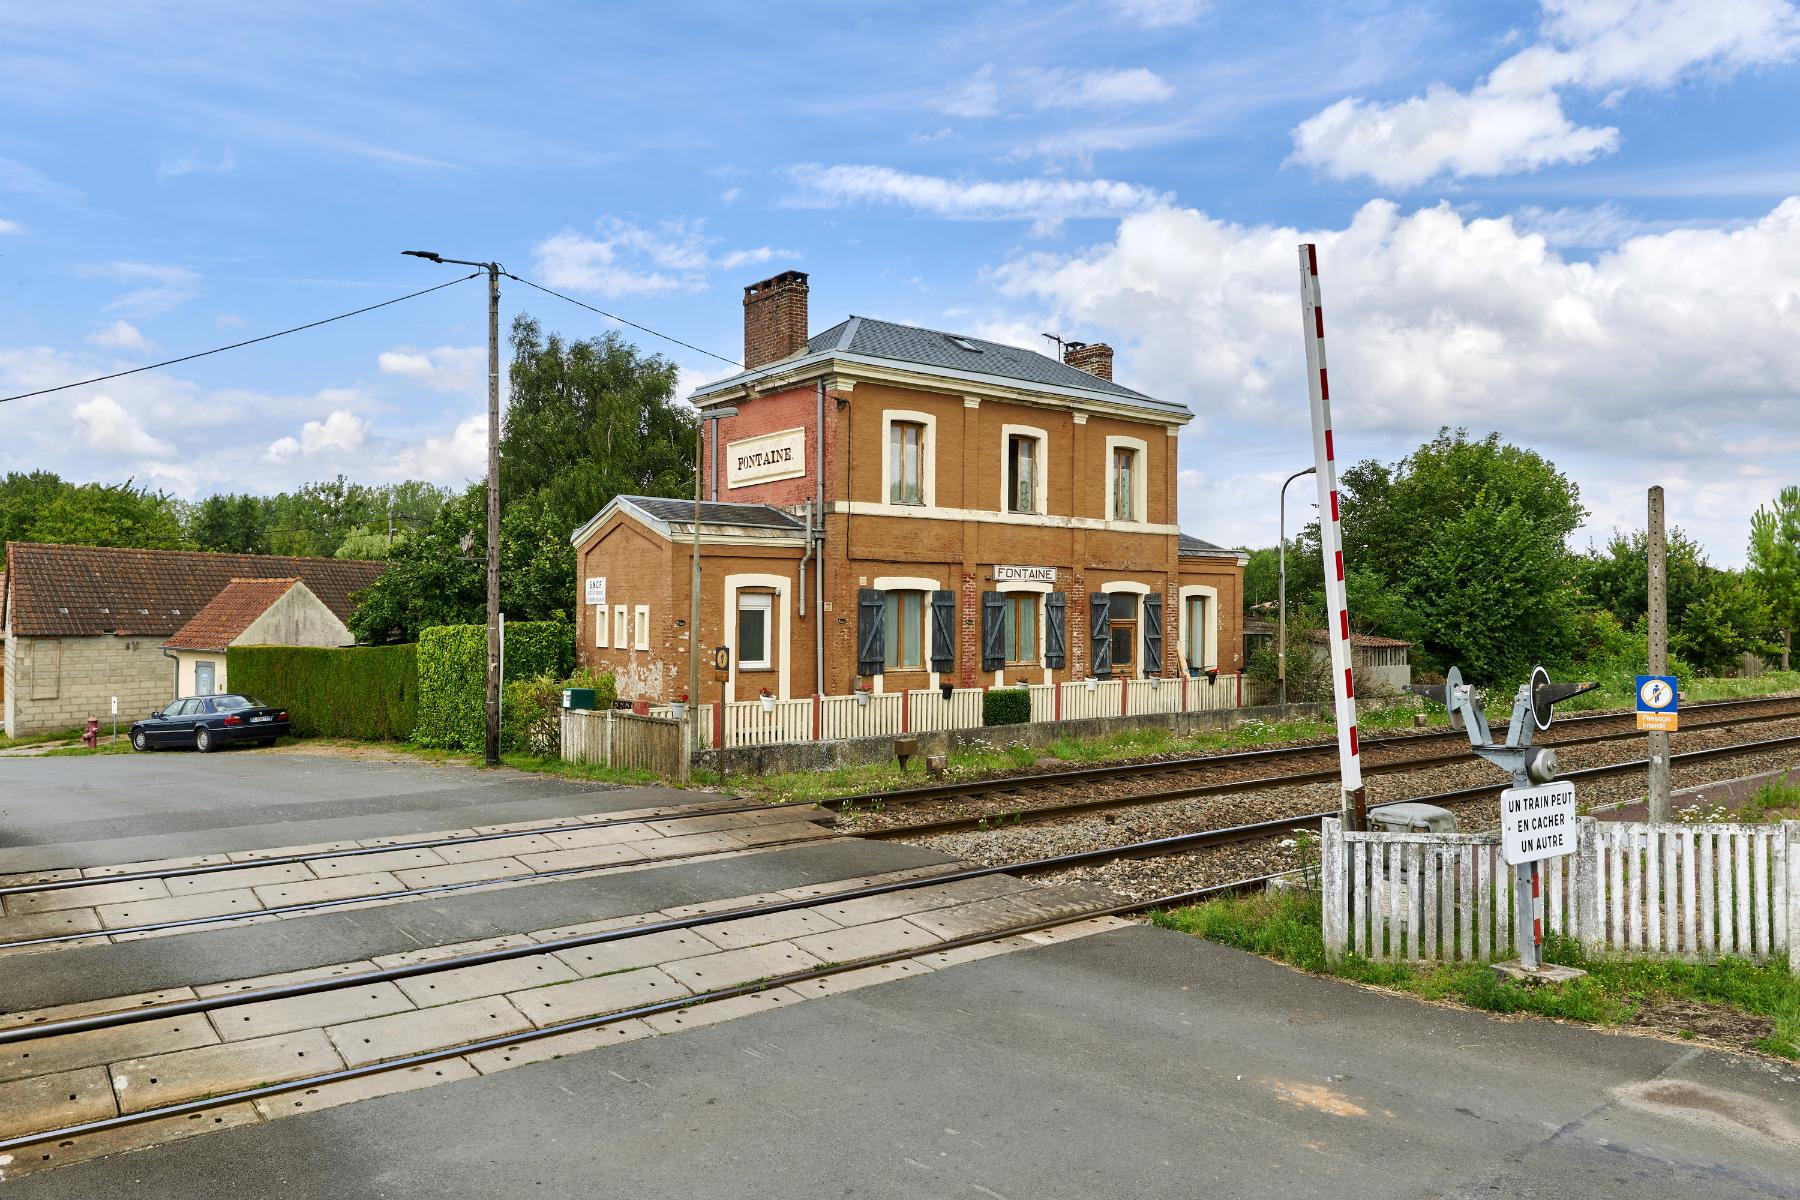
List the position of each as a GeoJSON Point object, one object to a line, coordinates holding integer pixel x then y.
{"type": "Point", "coordinates": [1332, 893]}
{"type": "Point", "coordinates": [1789, 904]}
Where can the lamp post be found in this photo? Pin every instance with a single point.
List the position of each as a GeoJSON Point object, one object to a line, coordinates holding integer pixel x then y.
{"type": "Point", "coordinates": [491, 753]}
{"type": "Point", "coordinates": [714, 415]}
{"type": "Point", "coordinates": [1281, 595]}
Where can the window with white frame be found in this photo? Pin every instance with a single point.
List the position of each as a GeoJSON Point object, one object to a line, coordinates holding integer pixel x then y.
{"type": "Point", "coordinates": [640, 634]}
{"type": "Point", "coordinates": [904, 631]}
{"type": "Point", "coordinates": [753, 642]}
{"type": "Point", "coordinates": [1194, 631]}
{"type": "Point", "coordinates": [1023, 454]}
{"type": "Point", "coordinates": [1124, 483]}
{"type": "Point", "coordinates": [906, 462]}
{"type": "Point", "coordinates": [600, 627]}
{"type": "Point", "coordinates": [1022, 628]}
{"type": "Point", "coordinates": [621, 631]}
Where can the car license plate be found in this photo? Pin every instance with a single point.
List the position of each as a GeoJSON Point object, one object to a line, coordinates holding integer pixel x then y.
{"type": "Point", "coordinates": [260, 720]}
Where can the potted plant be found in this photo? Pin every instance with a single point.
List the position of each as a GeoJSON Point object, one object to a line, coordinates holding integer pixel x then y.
{"type": "Point", "coordinates": [678, 708]}
{"type": "Point", "coordinates": [946, 688]}
{"type": "Point", "coordinates": [1092, 683]}
{"type": "Point", "coordinates": [862, 694]}
{"type": "Point", "coordinates": [768, 700]}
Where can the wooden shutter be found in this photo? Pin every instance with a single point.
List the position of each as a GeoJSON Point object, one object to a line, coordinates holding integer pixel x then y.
{"type": "Point", "coordinates": [1056, 633]}
{"type": "Point", "coordinates": [1153, 635]}
{"type": "Point", "coordinates": [1100, 655]}
{"type": "Point", "coordinates": [993, 631]}
{"type": "Point", "coordinates": [943, 631]}
{"type": "Point", "coordinates": [871, 646]}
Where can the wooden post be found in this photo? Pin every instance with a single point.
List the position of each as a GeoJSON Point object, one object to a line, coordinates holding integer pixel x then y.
{"type": "Point", "coordinates": [1659, 653]}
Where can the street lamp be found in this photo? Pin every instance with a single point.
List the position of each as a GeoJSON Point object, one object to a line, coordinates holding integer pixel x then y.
{"type": "Point", "coordinates": [1281, 595]}
{"type": "Point", "coordinates": [715, 415]}
{"type": "Point", "coordinates": [492, 749]}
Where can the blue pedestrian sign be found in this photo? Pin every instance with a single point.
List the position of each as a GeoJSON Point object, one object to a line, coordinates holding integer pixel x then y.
{"type": "Point", "coordinates": [1657, 702]}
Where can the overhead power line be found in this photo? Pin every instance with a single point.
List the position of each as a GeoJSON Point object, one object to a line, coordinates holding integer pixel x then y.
{"type": "Point", "coordinates": [621, 320]}
{"type": "Point", "coordinates": [63, 387]}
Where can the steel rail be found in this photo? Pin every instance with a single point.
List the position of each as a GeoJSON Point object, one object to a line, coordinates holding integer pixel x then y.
{"type": "Point", "coordinates": [1038, 813]}
{"type": "Point", "coordinates": [1109, 770]}
{"type": "Point", "coordinates": [427, 843]}
{"type": "Point", "coordinates": [423, 1058]}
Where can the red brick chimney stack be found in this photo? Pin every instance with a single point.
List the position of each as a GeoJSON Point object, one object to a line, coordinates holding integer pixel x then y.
{"type": "Point", "coordinates": [775, 319]}
{"type": "Point", "coordinates": [1093, 357]}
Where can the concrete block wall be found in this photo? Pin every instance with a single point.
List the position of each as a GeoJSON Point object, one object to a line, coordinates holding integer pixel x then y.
{"type": "Point", "coordinates": [84, 673]}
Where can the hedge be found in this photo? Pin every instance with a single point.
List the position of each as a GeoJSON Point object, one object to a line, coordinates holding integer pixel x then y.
{"type": "Point", "coordinates": [366, 692]}
{"type": "Point", "coordinates": [1005, 706]}
{"type": "Point", "coordinates": [453, 675]}
{"type": "Point", "coordinates": [531, 710]}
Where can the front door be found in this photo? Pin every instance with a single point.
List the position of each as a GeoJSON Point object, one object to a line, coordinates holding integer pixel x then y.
{"type": "Point", "coordinates": [203, 679]}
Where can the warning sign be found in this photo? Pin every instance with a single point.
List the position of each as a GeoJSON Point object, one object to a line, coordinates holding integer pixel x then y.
{"type": "Point", "coordinates": [1658, 700]}
{"type": "Point", "coordinates": [1537, 822]}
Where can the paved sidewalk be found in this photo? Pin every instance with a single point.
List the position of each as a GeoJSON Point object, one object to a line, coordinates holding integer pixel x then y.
{"type": "Point", "coordinates": [1139, 1063]}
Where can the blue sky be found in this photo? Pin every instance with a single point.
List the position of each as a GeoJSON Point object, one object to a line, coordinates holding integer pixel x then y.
{"type": "Point", "coordinates": [1570, 222]}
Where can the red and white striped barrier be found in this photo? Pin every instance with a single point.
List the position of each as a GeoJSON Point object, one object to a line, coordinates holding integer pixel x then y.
{"type": "Point", "coordinates": [1331, 540]}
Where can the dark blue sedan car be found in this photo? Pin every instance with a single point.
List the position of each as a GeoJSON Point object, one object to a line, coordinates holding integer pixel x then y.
{"type": "Point", "coordinates": [208, 722]}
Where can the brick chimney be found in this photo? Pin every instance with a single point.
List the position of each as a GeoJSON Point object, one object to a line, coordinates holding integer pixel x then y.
{"type": "Point", "coordinates": [775, 319]}
{"type": "Point", "coordinates": [1093, 357]}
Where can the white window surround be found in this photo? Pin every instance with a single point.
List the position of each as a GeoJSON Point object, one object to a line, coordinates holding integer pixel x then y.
{"type": "Point", "coordinates": [640, 636]}
{"type": "Point", "coordinates": [601, 641]}
{"type": "Point", "coordinates": [1040, 472]}
{"type": "Point", "coordinates": [1140, 590]}
{"type": "Point", "coordinates": [779, 637]}
{"type": "Point", "coordinates": [1043, 627]}
{"type": "Point", "coordinates": [621, 632]}
{"type": "Point", "coordinates": [911, 583]}
{"type": "Point", "coordinates": [927, 457]}
{"type": "Point", "coordinates": [1211, 596]}
{"type": "Point", "coordinates": [1139, 482]}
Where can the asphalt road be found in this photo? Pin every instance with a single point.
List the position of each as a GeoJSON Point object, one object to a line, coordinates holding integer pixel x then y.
{"type": "Point", "coordinates": [1134, 1064]}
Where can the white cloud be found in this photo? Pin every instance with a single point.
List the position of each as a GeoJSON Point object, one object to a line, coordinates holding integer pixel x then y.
{"type": "Point", "coordinates": [16, 176]}
{"type": "Point", "coordinates": [1514, 120]}
{"type": "Point", "coordinates": [120, 335]}
{"type": "Point", "coordinates": [454, 459]}
{"type": "Point", "coordinates": [445, 369]}
{"type": "Point", "coordinates": [1601, 225]}
{"type": "Point", "coordinates": [158, 288]}
{"type": "Point", "coordinates": [1063, 88]}
{"type": "Point", "coordinates": [1046, 202]}
{"type": "Point", "coordinates": [10, 226]}
{"type": "Point", "coordinates": [627, 259]}
{"type": "Point", "coordinates": [1651, 360]}
{"type": "Point", "coordinates": [103, 424]}
{"type": "Point", "coordinates": [228, 321]}
{"type": "Point", "coordinates": [341, 432]}
{"type": "Point", "coordinates": [979, 97]}
{"type": "Point", "coordinates": [193, 164]}
{"type": "Point", "coordinates": [1160, 14]}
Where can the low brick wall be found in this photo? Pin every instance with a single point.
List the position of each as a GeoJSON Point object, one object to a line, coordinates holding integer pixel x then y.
{"type": "Point", "coordinates": [815, 756]}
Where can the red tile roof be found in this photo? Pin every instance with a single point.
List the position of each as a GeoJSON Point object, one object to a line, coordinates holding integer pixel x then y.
{"type": "Point", "coordinates": [82, 591]}
{"type": "Point", "coordinates": [229, 613]}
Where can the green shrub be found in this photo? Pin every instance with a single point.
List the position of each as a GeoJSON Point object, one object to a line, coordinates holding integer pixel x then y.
{"type": "Point", "coordinates": [366, 692]}
{"type": "Point", "coordinates": [1005, 706]}
{"type": "Point", "coordinates": [531, 716]}
{"type": "Point", "coordinates": [453, 676]}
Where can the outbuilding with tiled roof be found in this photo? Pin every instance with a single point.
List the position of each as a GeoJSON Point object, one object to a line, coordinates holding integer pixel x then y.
{"type": "Point", "coordinates": [83, 624]}
{"type": "Point", "coordinates": [249, 612]}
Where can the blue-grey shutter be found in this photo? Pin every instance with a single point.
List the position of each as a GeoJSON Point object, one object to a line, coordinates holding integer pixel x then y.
{"type": "Point", "coordinates": [1153, 637]}
{"type": "Point", "coordinates": [943, 631]}
{"type": "Point", "coordinates": [871, 647]}
{"type": "Point", "coordinates": [1056, 631]}
{"type": "Point", "coordinates": [993, 631]}
{"type": "Point", "coordinates": [1100, 655]}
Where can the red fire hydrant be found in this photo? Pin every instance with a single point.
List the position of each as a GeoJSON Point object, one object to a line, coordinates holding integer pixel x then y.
{"type": "Point", "coordinates": [91, 736]}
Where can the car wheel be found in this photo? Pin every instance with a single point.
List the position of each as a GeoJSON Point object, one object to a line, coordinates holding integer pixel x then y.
{"type": "Point", "coordinates": [203, 741]}
{"type": "Point", "coordinates": [140, 740]}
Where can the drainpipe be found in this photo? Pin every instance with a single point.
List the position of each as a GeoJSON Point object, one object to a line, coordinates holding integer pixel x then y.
{"type": "Point", "coordinates": [175, 685]}
{"type": "Point", "coordinates": [818, 548]}
{"type": "Point", "coordinates": [804, 555]}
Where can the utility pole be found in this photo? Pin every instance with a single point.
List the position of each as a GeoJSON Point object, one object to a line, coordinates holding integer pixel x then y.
{"type": "Point", "coordinates": [1659, 652]}
{"type": "Point", "coordinates": [1281, 595]}
{"type": "Point", "coordinates": [491, 754]}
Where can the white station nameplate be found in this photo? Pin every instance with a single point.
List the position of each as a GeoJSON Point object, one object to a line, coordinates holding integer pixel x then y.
{"type": "Point", "coordinates": [771, 456]}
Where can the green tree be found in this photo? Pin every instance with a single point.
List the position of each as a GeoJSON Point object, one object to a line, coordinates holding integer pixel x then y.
{"type": "Point", "coordinates": [232, 524]}
{"type": "Point", "coordinates": [98, 514]}
{"type": "Point", "coordinates": [1730, 620]}
{"type": "Point", "coordinates": [1618, 577]}
{"type": "Point", "coordinates": [1775, 564]}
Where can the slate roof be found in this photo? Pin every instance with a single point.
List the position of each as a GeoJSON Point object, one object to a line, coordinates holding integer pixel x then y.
{"type": "Point", "coordinates": [1364, 641]}
{"type": "Point", "coordinates": [1193, 546]}
{"type": "Point", "coordinates": [762, 516]}
{"type": "Point", "coordinates": [933, 349]}
{"type": "Point", "coordinates": [229, 613]}
{"type": "Point", "coordinates": [84, 591]}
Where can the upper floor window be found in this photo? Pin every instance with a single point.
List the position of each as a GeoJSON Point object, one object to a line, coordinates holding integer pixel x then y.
{"type": "Point", "coordinates": [905, 631]}
{"type": "Point", "coordinates": [1124, 481]}
{"type": "Point", "coordinates": [1022, 473]}
{"type": "Point", "coordinates": [906, 463]}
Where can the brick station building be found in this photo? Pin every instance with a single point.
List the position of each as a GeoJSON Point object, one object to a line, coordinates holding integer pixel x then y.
{"type": "Point", "coordinates": [910, 508]}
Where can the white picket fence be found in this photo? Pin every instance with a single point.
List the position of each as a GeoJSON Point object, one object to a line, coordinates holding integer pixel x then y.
{"type": "Point", "coordinates": [1692, 892]}
{"type": "Point", "coordinates": [890, 714]}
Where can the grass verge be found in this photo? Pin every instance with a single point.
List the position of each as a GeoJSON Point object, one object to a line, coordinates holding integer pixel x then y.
{"type": "Point", "coordinates": [37, 739]}
{"type": "Point", "coordinates": [122, 746]}
{"type": "Point", "coordinates": [1732, 1001]}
